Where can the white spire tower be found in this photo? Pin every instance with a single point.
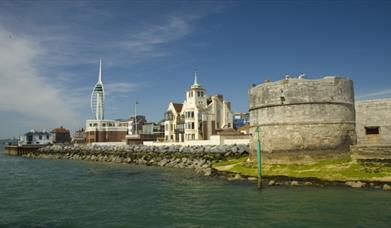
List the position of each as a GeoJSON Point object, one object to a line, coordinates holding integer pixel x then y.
{"type": "Point", "coordinates": [195, 85]}
{"type": "Point", "coordinates": [98, 97]}
{"type": "Point", "coordinates": [195, 78]}
{"type": "Point", "coordinates": [100, 72]}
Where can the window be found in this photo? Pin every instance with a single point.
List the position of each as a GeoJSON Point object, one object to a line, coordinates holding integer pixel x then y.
{"type": "Point", "coordinates": [40, 137]}
{"type": "Point", "coordinates": [47, 137]}
{"type": "Point", "coordinates": [192, 125]}
{"type": "Point", "coordinates": [104, 125]}
{"type": "Point", "coordinates": [371, 130]}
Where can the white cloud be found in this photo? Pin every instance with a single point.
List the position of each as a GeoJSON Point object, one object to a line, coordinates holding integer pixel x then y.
{"type": "Point", "coordinates": [120, 87]}
{"type": "Point", "coordinates": [23, 89]}
{"type": "Point", "coordinates": [379, 94]}
{"type": "Point", "coordinates": [146, 42]}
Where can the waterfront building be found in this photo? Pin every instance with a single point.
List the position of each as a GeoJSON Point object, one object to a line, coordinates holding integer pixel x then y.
{"type": "Point", "coordinates": [61, 135]}
{"type": "Point", "coordinates": [151, 128]}
{"type": "Point", "coordinates": [99, 129]}
{"type": "Point", "coordinates": [199, 117]}
{"type": "Point", "coordinates": [174, 123]}
{"type": "Point", "coordinates": [135, 125]}
{"type": "Point", "coordinates": [241, 119]}
{"type": "Point", "coordinates": [373, 121]}
{"type": "Point", "coordinates": [79, 137]}
{"type": "Point", "coordinates": [105, 131]}
{"type": "Point", "coordinates": [34, 137]}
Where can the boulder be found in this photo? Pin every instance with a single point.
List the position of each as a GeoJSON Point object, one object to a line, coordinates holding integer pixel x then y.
{"type": "Point", "coordinates": [386, 187]}
{"type": "Point", "coordinates": [238, 177]}
{"type": "Point", "coordinates": [355, 184]}
{"type": "Point", "coordinates": [271, 182]}
{"type": "Point", "coordinates": [294, 183]}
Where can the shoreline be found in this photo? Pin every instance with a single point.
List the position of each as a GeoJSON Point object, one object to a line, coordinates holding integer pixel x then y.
{"type": "Point", "coordinates": [199, 159]}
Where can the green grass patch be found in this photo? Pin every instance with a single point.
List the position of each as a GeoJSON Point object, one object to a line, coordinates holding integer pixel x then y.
{"type": "Point", "coordinates": [230, 162]}
{"type": "Point", "coordinates": [342, 169]}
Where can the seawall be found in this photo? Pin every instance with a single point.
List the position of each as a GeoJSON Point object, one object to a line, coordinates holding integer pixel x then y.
{"type": "Point", "coordinates": [199, 158]}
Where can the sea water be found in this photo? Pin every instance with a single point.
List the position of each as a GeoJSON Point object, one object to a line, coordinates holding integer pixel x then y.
{"type": "Point", "coordinates": [68, 193]}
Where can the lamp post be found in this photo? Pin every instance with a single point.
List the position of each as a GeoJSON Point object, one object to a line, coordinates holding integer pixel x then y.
{"type": "Point", "coordinates": [259, 159]}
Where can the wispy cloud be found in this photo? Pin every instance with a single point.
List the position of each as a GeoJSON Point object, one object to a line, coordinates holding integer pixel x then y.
{"type": "Point", "coordinates": [145, 43]}
{"type": "Point", "coordinates": [22, 87]}
{"type": "Point", "coordinates": [379, 94]}
{"type": "Point", "coordinates": [121, 87]}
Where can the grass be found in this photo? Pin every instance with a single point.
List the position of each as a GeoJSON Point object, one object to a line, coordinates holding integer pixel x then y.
{"type": "Point", "coordinates": [334, 170]}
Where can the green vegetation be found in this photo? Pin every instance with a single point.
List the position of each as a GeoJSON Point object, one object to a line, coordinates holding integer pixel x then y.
{"type": "Point", "coordinates": [335, 170]}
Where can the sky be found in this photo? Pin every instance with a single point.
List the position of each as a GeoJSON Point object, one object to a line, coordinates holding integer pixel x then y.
{"type": "Point", "coordinates": [50, 51]}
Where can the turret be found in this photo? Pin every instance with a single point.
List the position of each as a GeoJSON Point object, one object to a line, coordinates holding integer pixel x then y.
{"type": "Point", "coordinates": [196, 94]}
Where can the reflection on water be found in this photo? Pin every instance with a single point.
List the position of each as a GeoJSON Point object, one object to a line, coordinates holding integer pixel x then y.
{"type": "Point", "coordinates": [65, 193]}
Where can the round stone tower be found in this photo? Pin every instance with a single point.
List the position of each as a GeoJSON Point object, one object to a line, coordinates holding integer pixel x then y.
{"type": "Point", "coordinates": [302, 120]}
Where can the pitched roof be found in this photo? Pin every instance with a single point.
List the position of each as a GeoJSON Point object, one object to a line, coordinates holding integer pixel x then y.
{"type": "Point", "coordinates": [60, 130]}
{"type": "Point", "coordinates": [177, 107]}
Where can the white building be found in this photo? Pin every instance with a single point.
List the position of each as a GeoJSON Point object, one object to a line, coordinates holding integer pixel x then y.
{"type": "Point", "coordinates": [199, 117]}
{"type": "Point", "coordinates": [34, 137]}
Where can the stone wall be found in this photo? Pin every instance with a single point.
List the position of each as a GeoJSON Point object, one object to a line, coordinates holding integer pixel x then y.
{"type": "Point", "coordinates": [373, 114]}
{"type": "Point", "coordinates": [301, 120]}
{"type": "Point", "coordinates": [371, 152]}
{"type": "Point", "coordinates": [195, 157]}
{"type": "Point", "coordinates": [214, 140]}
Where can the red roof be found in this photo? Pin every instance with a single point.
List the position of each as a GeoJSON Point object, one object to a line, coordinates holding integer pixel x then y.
{"type": "Point", "coordinates": [177, 107]}
{"type": "Point", "coordinates": [60, 130]}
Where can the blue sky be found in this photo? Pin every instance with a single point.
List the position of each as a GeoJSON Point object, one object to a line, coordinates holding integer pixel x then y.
{"type": "Point", "coordinates": [50, 50]}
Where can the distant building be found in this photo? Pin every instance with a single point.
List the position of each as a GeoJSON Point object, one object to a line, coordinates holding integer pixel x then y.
{"type": "Point", "coordinates": [373, 121]}
{"type": "Point", "coordinates": [198, 117]}
{"type": "Point", "coordinates": [79, 137]}
{"type": "Point", "coordinates": [99, 129]}
{"type": "Point", "coordinates": [150, 128]}
{"type": "Point", "coordinates": [34, 137]}
{"type": "Point", "coordinates": [105, 131]}
{"type": "Point", "coordinates": [174, 123]}
{"type": "Point", "coordinates": [61, 135]}
{"type": "Point", "coordinates": [136, 127]}
{"type": "Point", "coordinates": [241, 119]}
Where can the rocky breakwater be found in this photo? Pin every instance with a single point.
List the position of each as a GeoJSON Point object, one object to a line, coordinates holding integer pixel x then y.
{"type": "Point", "coordinates": [199, 158]}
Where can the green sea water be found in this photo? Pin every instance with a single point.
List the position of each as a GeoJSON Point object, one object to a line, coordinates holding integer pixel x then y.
{"type": "Point", "coordinates": [65, 193]}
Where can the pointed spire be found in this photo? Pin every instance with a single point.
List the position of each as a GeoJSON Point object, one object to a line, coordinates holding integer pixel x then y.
{"type": "Point", "coordinates": [100, 71]}
{"type": "Point", "coordinates": [195, 78]}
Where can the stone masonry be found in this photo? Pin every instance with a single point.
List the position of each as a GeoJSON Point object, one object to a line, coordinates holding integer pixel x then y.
{"type": "Point", "coordinates": [301, 120]}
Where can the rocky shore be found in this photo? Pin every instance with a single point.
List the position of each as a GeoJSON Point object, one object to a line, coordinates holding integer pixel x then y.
{"type": "Point", "coordinates": [199, 158]}
{"type": "Point", "coordinates": [272, 181]}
